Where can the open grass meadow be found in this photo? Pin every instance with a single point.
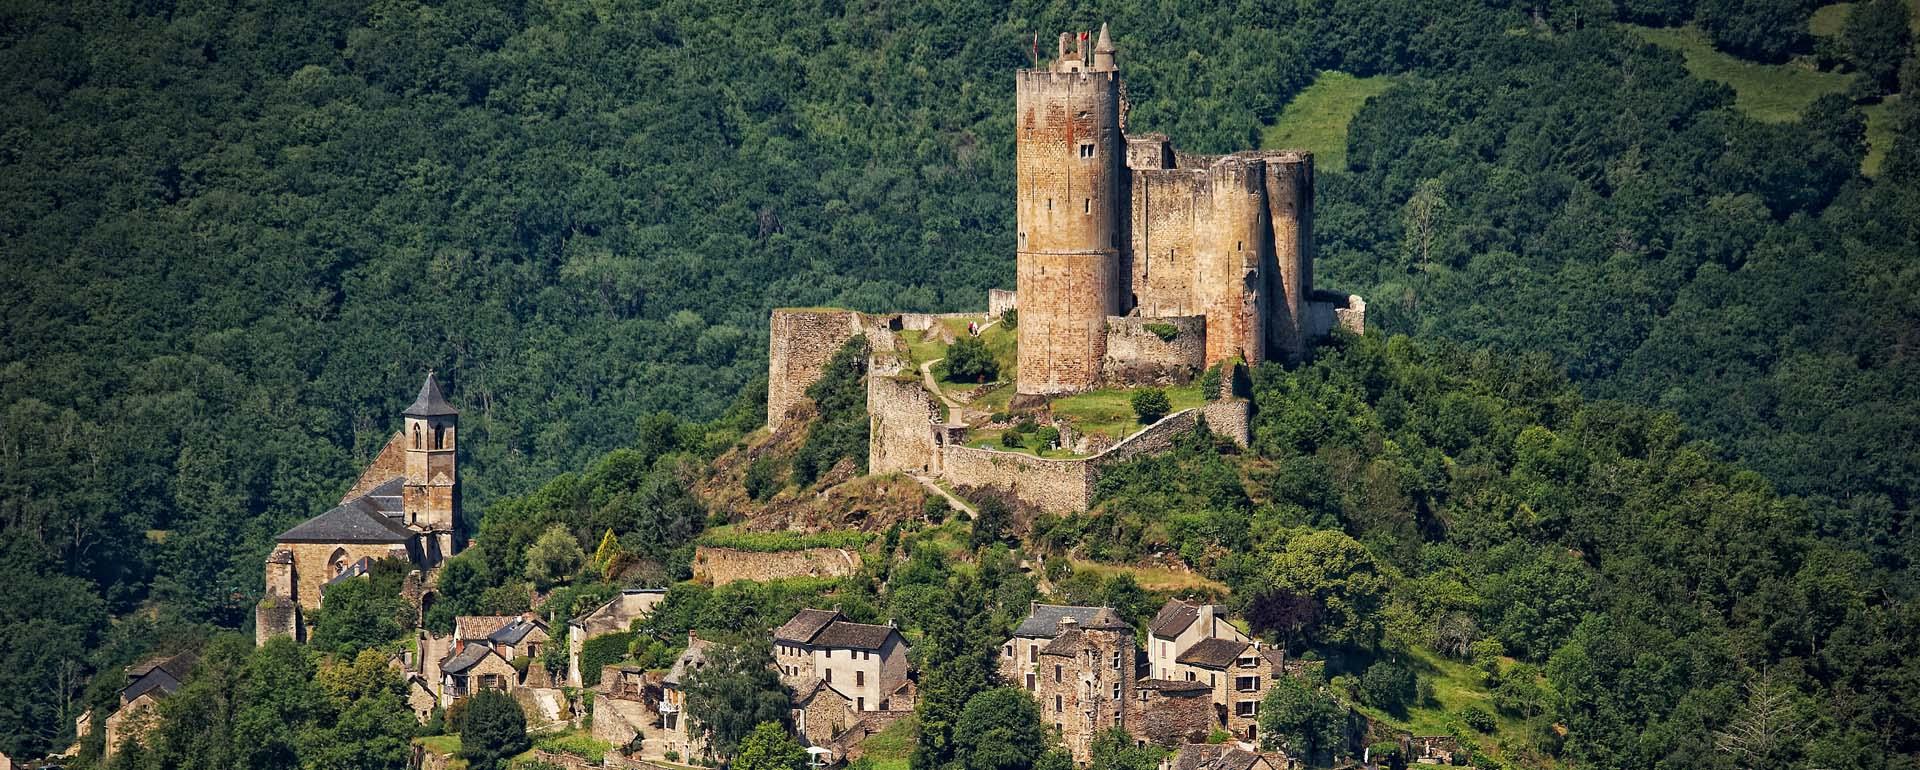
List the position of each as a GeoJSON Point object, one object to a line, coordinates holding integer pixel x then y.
{"type": "Point", "coordinates": [1773, 93]}
{"type": "Point", "coordinates": [1316, 119]}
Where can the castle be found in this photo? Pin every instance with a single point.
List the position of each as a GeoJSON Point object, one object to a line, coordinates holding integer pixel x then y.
{"type": "Point", "coordinates": [1114, 227]}
{"type": "Point", "coordinates": [405, 505]}
{"type": "Point", "coordinates": [1136, 264]}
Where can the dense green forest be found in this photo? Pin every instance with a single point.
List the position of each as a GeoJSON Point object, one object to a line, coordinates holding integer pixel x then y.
{"type": "Point", "coordinates": [237, 233]}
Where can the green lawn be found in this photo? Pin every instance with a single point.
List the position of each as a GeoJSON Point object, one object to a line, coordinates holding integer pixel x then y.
{"type": "Point", "coordinates": [1109, 412]}
{"type": "Point", "coordinates": [1456, 685]}
{"type": "Point", "coordinates": [1775, 93]}
{"type": "Point", "coordinates": [1316, 119]}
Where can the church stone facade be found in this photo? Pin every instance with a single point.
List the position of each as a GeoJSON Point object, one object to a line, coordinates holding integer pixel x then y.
{"type": "Point", "coordinates": [405, 505]}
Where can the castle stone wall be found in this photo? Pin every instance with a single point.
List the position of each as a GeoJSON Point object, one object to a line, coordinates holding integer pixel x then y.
{"type": "Point", "coordinates": [1289, 200]}
{"type": "Point", "coordinates": [1050, 485]}
{"type": "Point", "coordinates": [718, 566]}
{"type": "Point", "coordinates": [1232, 418]}
{"type": "Point", "coordinates": [1137, 355]}
{"type": "Point", "coordinates": [800, 342]}
{"type": "Point", "coordinates": [1000, 301]}
{"type": "Point", "coordinates": [902, 419]}
{"type": "Point", "coordinates": [1327, 311]}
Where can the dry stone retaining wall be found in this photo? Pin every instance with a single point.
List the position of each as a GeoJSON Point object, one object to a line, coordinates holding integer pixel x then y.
{"type": "Point", "coordinates": [1050, 485]}
{"type": "Point", "coordinates": [717, 566]}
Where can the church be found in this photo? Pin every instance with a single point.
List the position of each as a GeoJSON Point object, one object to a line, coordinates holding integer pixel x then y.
{"type": "Point", "coordinates": [405, 505]}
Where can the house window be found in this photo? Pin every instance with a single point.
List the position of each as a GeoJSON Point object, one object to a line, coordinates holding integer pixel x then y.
{"type": "Point", "coordinates": [1056, 672]}
{"type": "Point", "coordinates": [1249, 662]}
{"type": "Point", "coordinates": [1246, 683]}
{"type": "Point", "coordinates": [1056, 704]}
{"type": "Point", "coordinates": [859, 678]}
{"type": "Point", "coordinates": [829, 676]}
{"type": "Point", "coordinates": [1116, 660]}
{"type": "Point", "coordinates": [1086, 149]}
{"type": "Point", "coordinates": [1033, 653]}
{"type": "Point", "coordinates": [1143, 695]}
{"type": "Point", "coordinates": [860, 704]}
{"type": "Point", "coordinates": [1189, 676]}
{"type": "Point", "coordinates": [1116, 691]}
{"type": "Point", "coordinates": [1213, 680]}
{"type": "Point", "coordinates": [1009, 651]}
{"type": "Point", "coordinates": [1030, 687]}
{"type": "Point", "coordinates": [1246, 708]}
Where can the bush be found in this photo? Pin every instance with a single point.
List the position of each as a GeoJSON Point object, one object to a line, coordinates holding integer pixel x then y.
{"type": "Point", "coordinates": [1166, 332]}
{"type": "Point", "coordinates": [1010, 318]}
{"type": "Point", "coordinates": [935, 508]}
{"type": "Point", "coordinates": [1478, 719]}
{"type": "Point", "coordinates": [492, 729]}
{"type": "Point", "coordinates": [601, 651]}
{"type": "Point", "coordinates": [1010, 439]}
{"type": "Point", "coordinates": [1388, 685]}
{"type": "Point", "coordinates": [1150, 404]}
{"type": "Point", "coordinates": [762, 478]}
{"type": "Point", "coordinates": [968, 360]}
{"type": "Point", "coordinates": [1210, 382]}
{"type": "Point", "coordinates": [1044, 437]}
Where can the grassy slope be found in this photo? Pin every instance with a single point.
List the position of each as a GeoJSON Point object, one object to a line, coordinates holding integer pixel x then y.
{"type": "Point", "coordinates": [1829, 19]}
{"type": "Point", "coordinates": [1317, 119]}
{"type": "Point", "coordinates": [1771, 92]}
{"type": "Point", "coordinates": [1110, 412]}
{"type": "Point", "coordinates": [890, 748]}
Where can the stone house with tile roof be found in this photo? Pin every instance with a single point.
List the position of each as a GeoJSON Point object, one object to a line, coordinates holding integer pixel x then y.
{"type": "Point", "coordinates": [1020, 654]}
{"type": "Point", "coordinates": [148, 682]}
{"type": "Point", "coordinates": [864, 662]}
{"type": "Point", "coordinates": [1181, 624]}
{"type": "Point", "coordinates": [614, 616]}
{"type": "Point", "coordinates": [404, 505]}
{"type": "Point", "coordinates": [1083, 676]}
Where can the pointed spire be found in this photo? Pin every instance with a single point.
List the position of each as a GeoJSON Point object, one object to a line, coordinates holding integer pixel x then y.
{"type": "Point", "coordinates": [430, 403]}
{"type": "Point", "coordinates": [1105, 43]}
{"type": "Point", "coordinates": [1103, 51]}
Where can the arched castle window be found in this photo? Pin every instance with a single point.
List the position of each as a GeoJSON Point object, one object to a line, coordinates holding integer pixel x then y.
{"type": "Point", "coordinates": [337, 563]}
{"type": "Point", "coordinates": [416, 437]}
{"type": "Point", "coordinates": [439, 437]}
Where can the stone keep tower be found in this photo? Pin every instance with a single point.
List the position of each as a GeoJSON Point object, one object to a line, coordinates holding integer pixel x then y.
{"type": "Point", "coordinates": [1070, 173]}
{"type": "Point", "coordinates": [430, 495]}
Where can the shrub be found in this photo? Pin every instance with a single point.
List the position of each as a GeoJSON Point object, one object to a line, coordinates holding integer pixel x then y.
{"type": "Point", "coordinates": [968, 360]}
{"type": "Point", "coordinates": [1477, 718]}
{"type": "Point", "coordinates": [1010, 318]}
{"type": "Point", "coordinates": [1044, 437]}
{"type": "Point", "coordinates": [492, 730]}
{"type": "Point", "coordinates": [1210, 382]}
{"type": "Point", "coordinates": [601, 651]}
{"type": "Point", "coordinates": [1150, 404]}
{"type": "Point", "coordinates": [1166, 332]}
{"type": "Point", "coordinates": [1010, 439]}
{"type": "Point", "coordinates": [935, 508]}
{"type": "Point", "coordinates": [762, 478]}
{"type": "Point", "coordinates": [1388, 685]}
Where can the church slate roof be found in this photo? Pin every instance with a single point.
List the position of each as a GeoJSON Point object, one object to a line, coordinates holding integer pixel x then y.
{"type": "Point", "coordinates": [1043, 620]}
{"type": "Point", "coordinates": [369, 518]}
{"type": "Point", "coordinates": [430, 403]}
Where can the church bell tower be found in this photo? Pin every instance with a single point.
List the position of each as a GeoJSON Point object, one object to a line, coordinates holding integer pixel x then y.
{"type": "Point", "coordinates": [432, 486]}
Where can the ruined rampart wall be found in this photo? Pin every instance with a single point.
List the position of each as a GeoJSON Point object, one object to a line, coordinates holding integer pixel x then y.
{"type": "Point", "coordinates": [1327, 311]}
{"type": "Point", "coordinates": [1232, 418]}
{"type": "Point", "coordinates": [1137, 355]}
{"type": "Point", "coordinates": [800, 342]}
{"type": "Point", "coordinates": [1050, 485]}
{"type": "Point", "coordinates": [718, 566]}
{"type": "Point", "coordinates": [902, 418]}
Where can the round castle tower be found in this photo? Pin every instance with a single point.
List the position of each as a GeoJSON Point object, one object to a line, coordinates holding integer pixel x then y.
{"type": "Point", "coordinates": [1071, 172]}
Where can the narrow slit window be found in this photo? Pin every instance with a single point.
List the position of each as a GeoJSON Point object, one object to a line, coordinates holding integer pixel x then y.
{"type": "Point", "coordinates": [1086, 205]}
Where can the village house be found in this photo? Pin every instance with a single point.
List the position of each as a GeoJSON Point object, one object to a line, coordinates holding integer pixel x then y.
{"type": "Point", "coordinates": [614, 616]}
{"type": "Point", "coordinates": [473, 667]}
{"type": "Point", "coordinates": [1083, 675]}
{"type": "Point", "coordinates": [678, 735]}
{"type": "Point", "coordinates": [1170, 712]}
{"type": "Point", "coordinates": [1020, 655]}
{"type": "Point", "coordinates": [864, 662]}
{"type": "Point", "coordinates": [147, 683]}
{"type": "Point", "coordinates": [1181, 624]}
